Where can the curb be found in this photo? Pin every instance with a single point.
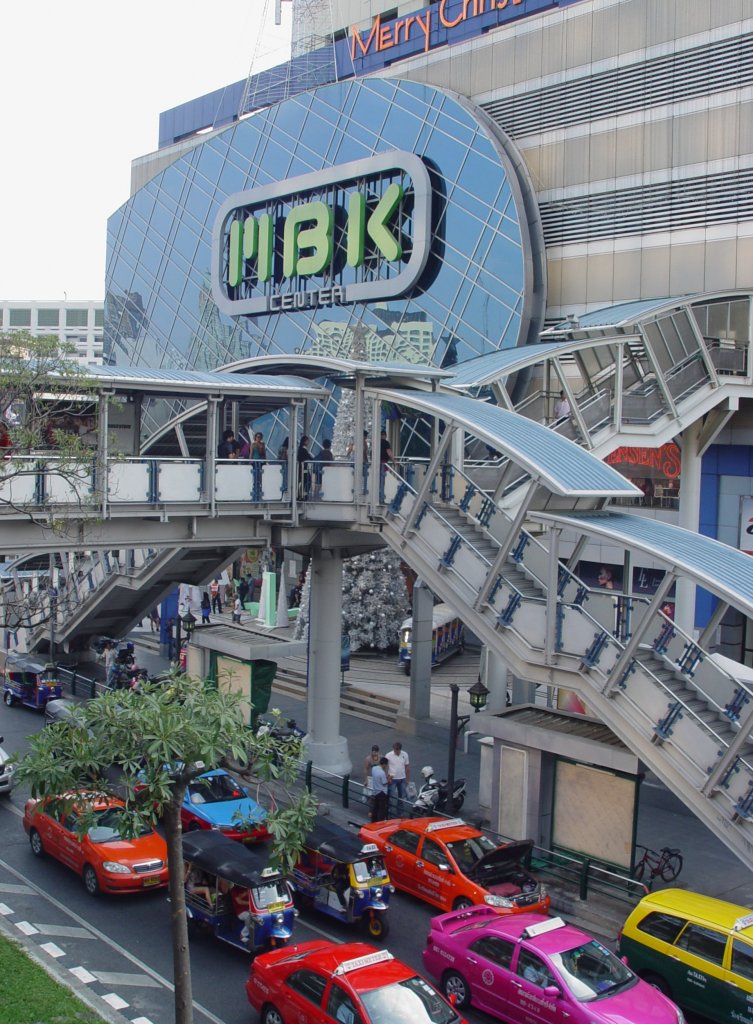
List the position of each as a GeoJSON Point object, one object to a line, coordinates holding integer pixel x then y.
{"type": "Point", "coordinates": [61, 975]}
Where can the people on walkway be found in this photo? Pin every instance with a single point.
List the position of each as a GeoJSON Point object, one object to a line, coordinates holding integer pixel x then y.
{"type": "Point", "coordinates": [561, 407]}
{"type": "Point", "coordinates": [369, 762]}
{"type": "Point", "coordinates": [111, 665]}
{"type": "Point", "coordinates": [380, 787]}
{"type": "Point", "coordinates": [154, 620]}
{"type": "Point", "coordinates": [324, 455]}
{"type": "Point", "coordinates": [216, 596]}
{"type": "Point", "coordinates": [399, 769]}
{"type": "Point", "coordinates": [206, 607]}
{"type": "Point", "coordinates": [304, 459]}
{"type": "Point", "coordinates": [385, 456]}
{"type": "Point", "coordinates": [237, 609]}
{"type": "Point", "coordinates": [228, 447]}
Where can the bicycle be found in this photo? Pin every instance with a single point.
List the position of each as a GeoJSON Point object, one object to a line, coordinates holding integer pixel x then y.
{"type": "Point", "coordinates": [666, 864]}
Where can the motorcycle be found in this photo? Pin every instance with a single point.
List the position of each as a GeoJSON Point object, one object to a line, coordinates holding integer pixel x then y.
{"type": "Point", "coordinates": [432, 796]}
{"type": "Point", "coordinates": [283, 734]}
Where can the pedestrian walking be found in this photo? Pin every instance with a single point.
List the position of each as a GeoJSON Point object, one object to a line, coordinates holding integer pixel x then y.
{"type": "Point", "coordinates": [154, 620]}
{"type": "Point", "coordinates": [214, 593]}
{"type": "Point", "coordinates": [399, 768]}
{"type": "Point", "coordinates": [380, 786]}
{"type": "Point", "coordinates": [561, 407]}
{"type": "Point", "coordinates": [237, 608]}
{"type": "Point", "coordinates": [206, 607]}
{"type": "Point", "coordinates": [303, 458]}
{"type": "Point", "coordinates": [111, 665]}
{"type": "Point", "coordinates": [369, 762]}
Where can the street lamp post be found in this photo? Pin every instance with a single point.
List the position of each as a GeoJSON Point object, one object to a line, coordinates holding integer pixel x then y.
{"type": "Point", "coordinates": [188, 621]}
{"type": "Point", "coordinates": [478, 694]}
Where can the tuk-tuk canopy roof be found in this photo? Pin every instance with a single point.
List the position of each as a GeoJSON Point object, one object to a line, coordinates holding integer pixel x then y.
{"type": "Point", "coordinates": [215, 853]}
{"type": "Point", "coordinates": [27, 663]}
{"type": "Point", "coordinates": [339, 844]}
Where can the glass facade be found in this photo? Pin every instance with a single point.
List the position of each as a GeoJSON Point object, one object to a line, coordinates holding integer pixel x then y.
{"type": "Point", "coordinates": [481, 289]}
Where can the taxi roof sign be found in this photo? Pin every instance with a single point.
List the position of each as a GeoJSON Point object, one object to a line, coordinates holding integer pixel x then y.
{"type": "Point", "coordinates": [364, 961]}
{"type": "Point", "coordinates": [541, 929]}
{"type": "Point", "coordinates": [370, 848]}
{"type": "Point", "coordinates": [742, 922]}
{"type": "Point", "coordinates": [447, 823]}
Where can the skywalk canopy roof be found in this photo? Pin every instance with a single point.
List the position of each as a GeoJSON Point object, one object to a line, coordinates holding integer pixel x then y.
{"type": "Point", "coordinates": [718, 567]}
{"type": "Point", "coordinates": [198, 384]}
{"type": "Point", "coordinates": [561, 465]}
{"type": "Point", "coordinates": [313, 366]}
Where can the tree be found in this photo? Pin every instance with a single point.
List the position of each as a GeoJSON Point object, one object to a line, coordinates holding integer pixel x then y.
{"type": "Point", "coordinates": [146, 748]}
{"type": "Point", "coordinates": [47, 410]}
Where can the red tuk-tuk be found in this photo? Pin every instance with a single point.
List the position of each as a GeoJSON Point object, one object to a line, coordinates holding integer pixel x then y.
{"type": "Point", "coordinates": [29, 682]}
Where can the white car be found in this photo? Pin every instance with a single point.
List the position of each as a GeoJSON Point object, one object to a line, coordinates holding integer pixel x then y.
{"type": "Point", "coordinates": [7, 769]}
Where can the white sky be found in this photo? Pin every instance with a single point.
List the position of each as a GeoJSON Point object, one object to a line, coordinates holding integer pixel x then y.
{"type": "Point", "coordinates": [82, 84]}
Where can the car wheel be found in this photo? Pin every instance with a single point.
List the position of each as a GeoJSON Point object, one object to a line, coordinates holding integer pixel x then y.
{"type": "Point", "coordinates": [462, 903]}
{"type": "Point", "coordinates": [656, 981]}
{"type": "Point", "coordinates": [455, 987]}
{"type": "Point", "coordinates": [90, 880]}
{"type": "Point", "coordinates": [36, 843]}
{"type": "Point", "coordinates": [377, 926]}
{"type": "Point", "coordinates": [271, 1015]}
{"type": "Point", "coordinates": [9, 699]}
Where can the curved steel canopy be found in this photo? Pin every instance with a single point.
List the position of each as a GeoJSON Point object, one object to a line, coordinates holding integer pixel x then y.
{"type": "Point", "coordinates": [556, 462]}
{"type": "Point", "coordinates": [718, 567]}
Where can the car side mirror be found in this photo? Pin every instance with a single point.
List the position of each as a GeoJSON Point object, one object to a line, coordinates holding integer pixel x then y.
{"type": "Point", "coordinates": [553, 992]}
{"type": "Point", "coordinates": [445, 867]}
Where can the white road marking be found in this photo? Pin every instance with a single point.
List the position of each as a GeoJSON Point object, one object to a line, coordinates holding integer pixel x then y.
{"type": "Point", "coordinates": [23, 890]}
{"type": "Point", "coordinates": [115, 1001]}
{"type": "Point", "coordinates": [52, 949]}
{"type": "Point", "coordinates": [108, 941]}
{"type": "Point", "coordinates": [115, 978]}
{"type": "Point", "coordinates": [141, 1020]}
{"type": "Point", "coordinates": [26, 928]}
{"type": "Point", "coordinates": [83, 975]}
{"type": "Point", "coordinates": [5, 909]}
{"type": "Point", "coordinates": [63, 931]}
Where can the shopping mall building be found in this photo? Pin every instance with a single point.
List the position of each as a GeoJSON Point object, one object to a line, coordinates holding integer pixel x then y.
{"type": "Point", "coordinates": [443, 180]}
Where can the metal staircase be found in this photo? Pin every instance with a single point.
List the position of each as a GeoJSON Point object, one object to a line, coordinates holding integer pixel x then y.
{"type": "Point", "coordinates": [668, 700]}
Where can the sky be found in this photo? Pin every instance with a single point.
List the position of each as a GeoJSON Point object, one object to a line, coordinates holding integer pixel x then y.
{"type": "Point", "coordinates": [83, 83]}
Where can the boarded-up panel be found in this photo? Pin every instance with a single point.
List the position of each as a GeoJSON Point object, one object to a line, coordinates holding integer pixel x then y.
{"type": "Point", "coordinates": [513, 791]}
{"type": "Point", "coordinates": [235, 677]}
{"type": "Point", "coordinates": [594, 812]}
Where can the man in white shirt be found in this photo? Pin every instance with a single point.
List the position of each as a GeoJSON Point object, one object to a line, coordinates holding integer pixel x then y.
{"type": "Point", "coordinates": [561, 407]}
{"type": "Point", "coordinates": [399, 770]}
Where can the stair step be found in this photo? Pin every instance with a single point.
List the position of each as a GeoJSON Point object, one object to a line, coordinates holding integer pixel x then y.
{"type": "Point", "coordinates": [373, 707]}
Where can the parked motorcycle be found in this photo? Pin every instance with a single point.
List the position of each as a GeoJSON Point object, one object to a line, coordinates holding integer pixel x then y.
{"type": "Point", "coordinates": [432, 796]}
{"type": "Point", "coordinates": [284, 733]}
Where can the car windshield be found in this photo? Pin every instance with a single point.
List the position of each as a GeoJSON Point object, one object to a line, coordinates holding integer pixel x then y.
{"type": "Point", "coordinates": [465, 852]}
{"type": "Point", "coordinates": [371, 868]}
{"type": "Point", "coordinates": [411, 1000]}
{"type": "Point", "coordinates": [107, 826]}
{"type": "Point", "coordinates": [591, 971]}
{"type": "Point", "coordinates": [214, 789]}
{"type": "Point", "coordinates": [271, 892]}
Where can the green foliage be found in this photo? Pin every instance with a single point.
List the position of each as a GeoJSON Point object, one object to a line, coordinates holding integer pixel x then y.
{"type": "Point", "coordinates": [146, 747]}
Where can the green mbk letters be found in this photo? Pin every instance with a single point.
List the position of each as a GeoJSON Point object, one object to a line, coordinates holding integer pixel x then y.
{"type": "Point", "coordinates": [335, 222]}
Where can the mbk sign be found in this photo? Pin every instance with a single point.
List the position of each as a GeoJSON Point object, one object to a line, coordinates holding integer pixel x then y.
{"type": "Point", "coordinates": [358, 232]}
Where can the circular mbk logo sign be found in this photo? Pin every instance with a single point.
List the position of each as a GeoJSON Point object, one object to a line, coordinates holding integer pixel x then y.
{"type": "Point", "coordinates": [357, 232]}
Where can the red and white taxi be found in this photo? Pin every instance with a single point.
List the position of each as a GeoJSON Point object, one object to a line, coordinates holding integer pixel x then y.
{"type": "Point", "coordinates": [342, 983]}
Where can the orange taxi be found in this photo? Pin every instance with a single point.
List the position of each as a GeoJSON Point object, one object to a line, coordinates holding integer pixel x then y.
{"type": "Point", "coordinates": [101, 857]}
{"type": "Point", "coordinates": [453, 865]}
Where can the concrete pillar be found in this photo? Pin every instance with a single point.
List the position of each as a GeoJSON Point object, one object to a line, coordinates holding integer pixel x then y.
{"type": "Point", "coordinates": [420, 656]}
{"type": "Point", "coordinates": [690, 502]}
{"type": "Point", "coordinates": [323, 743]}
{"type": "Point", "coordinates": [494, 673]}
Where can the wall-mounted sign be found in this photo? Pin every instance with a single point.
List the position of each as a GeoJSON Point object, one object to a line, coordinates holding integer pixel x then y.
{"type": "Point", "coordinates": [661, 462]}
{"type": "Point", "coordinates": [354, 233]}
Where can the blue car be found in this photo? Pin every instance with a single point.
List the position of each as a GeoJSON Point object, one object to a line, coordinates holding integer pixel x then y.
{"type": "Point", "coordinates": [215, 800]}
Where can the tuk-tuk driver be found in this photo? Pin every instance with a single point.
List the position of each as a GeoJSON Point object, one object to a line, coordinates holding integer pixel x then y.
{"type": "Point", "coordinates": [240, 898]}
{"type": "Point", "coordinates": [340, 881]}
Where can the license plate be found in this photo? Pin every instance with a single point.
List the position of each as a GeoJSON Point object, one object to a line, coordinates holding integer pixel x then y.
{"type": "Point", "coordinates": [276, 906]}
{"type": "Point", "coordinates": [154, 880]}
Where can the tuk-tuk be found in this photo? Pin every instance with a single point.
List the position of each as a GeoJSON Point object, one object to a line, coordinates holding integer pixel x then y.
{"type": "Point", "coordinates": [29, 682]}
{"type": "Point", "coordinates": [232, 892]}
{"type": "Point", "coordinates": [340, 876]}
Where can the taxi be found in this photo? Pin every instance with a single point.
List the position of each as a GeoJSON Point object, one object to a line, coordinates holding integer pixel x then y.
{"type": "Point", "coordinates": [105, 860]}
{"type": "Point", "coordinates": [452, 865]}
{"type": "Point", "coordinates": [696, 949]}
{"type": "Point", "coordinates": [342, 983]}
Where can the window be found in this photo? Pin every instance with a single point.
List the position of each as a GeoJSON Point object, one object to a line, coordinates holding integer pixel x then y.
{"type": "Point", "coordinates": [19, 318]}
{"type": "Point", "coordinates": [48, 317]}
{"type": "Point", "coordinates": [308, 984]}
{"type": "Point", "coordinates": [662, 926]}
{"type": "Point", "coordinates": [704, 942]}
{"type": "Point", "coordinates": [76, 317]}
{"type": "Point", "coordinates": [433, 853]}
{"type": "Point", "coordinates": [533, 969]}
{"type": "Point", "coordinates": [99, 317]}
{"type": "Point", "coordinates": [341, 1007]}
{"type": "Point", "coordinates": [742, 959]}
{"type": "Point", "coordinates": [406, 840]}
{"type": "Point", "coordinates": [499, 951]}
